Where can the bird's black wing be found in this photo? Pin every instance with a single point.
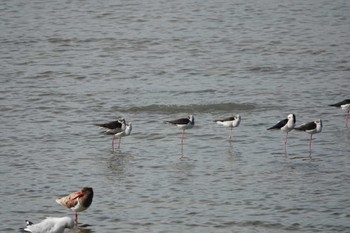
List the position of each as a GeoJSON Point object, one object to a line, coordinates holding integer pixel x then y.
{"type": "Point", "coordinates": [347, 101]}
{"type": "Point", "coordinates": [110, 125]}
{"type": "Point", "coordinates": [306, 126]}
{"type": "Point", "coordinates": [181, 121]}
{"type": "Point", "coordinates": [227, 119]}
{"type": "Point", "coordinates": [279, 125]}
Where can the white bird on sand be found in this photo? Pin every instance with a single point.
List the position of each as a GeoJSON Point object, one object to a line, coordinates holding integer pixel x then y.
{"type": "Point", "coordinates": [50, 225]}
{"type": "Point", "coordinates": [77, 201]}
{"type": "Point", "coordinates": [231, 122]}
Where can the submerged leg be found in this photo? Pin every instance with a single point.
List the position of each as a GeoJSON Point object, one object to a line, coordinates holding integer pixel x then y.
{"type": "Point", "coordinates": [347, 119]}
{"type": "Point", "coordinates": [182, 137]}
{"type": "Point", "coordinates": [310, 143]}
{"type": "Point", "coordinates": [285, 143]}
{"type": "Point", "coordinates": [286, 139]}
{"type": "Point", "coordinates": [119, 143]}
{"type": "Point", "coordinates": [182, 144]}
{"type": "Point", "coordinates": [113, 142]}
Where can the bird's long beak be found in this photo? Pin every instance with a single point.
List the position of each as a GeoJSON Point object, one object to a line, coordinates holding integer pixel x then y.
{"type": "Point", "coordinates": [80, 194]}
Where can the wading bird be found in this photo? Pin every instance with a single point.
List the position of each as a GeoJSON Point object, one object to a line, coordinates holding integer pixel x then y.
{"type": "Point", "coordinates": [286, 126]}
{"type": "Point", "coordinates": [77, 201]}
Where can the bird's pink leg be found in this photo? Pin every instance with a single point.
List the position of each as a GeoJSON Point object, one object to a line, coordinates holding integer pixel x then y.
{"type": "Point", "coordinates": [119, 143]}
{"type": "Point", "coordinates": [182, 144]}
{"type": "Point", "coordinates": [347, 119]}
{"type": "Point", "coordinates": [231, 134]}
{"type": "Point", "coordinates": [113, 143]}
{"type": "Point", "coordinates": [76, 217]}
{"type": "Point", "coordinates": [310, 143]}
{"type": "Point", "coordinates": [182, 136]}
{"type": "Point", "coordinates": [285, 143]}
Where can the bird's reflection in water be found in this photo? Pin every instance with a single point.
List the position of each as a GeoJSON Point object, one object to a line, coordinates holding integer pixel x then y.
{"type": "Point", "coordinates": [232, 151]}
{"type": "Point", "coordinates": [119, 161]}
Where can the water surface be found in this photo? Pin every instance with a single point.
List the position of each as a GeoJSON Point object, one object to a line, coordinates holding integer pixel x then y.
{"type": "Point", "coordinates": [68, 65]}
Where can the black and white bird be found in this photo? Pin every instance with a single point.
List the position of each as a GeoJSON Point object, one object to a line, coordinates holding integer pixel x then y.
{"type": "Point", "coordinates": [311, 128]}
{"type": "Point", "coordinates": [113, 128]}
{"type": "Point", "coordinates": [50, 225]}
{"type": "Point", "coordinates": [286, 126]}
{"type": "Point", "coordinates": [345, 105]}
{"type": "Point", "coordinates": [183, 123]}
{"type": "Point", "coordinates": [124, 133]}
{"type": "Point", "coordinates": [231, 122]}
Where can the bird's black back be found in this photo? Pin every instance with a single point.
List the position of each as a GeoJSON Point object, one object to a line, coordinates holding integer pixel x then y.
{"type": "Point", "coordinates": [306, 126]}
{"type": "Point", "coordinates": [111, 125]}
{"type": "Point", "coordinates": [279, 125]}
{"type": "Point", "coordinates": [347, 101]}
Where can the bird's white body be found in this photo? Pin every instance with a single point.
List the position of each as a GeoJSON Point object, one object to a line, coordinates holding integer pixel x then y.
{"type": "Point", "coordinates": [318, 128]}
{"type": "Point", "coordinates": [230, 122]}
{"type": "Point", "coordinates": [51, 225]}
{"type": "Point", "coordinates": [126, 132]}
{"type": "Point", "coordinates": [290, 124]}
{"type": "Point", "coordinates": [188, 126]}
{"type": "Point", "coordinates": [345, 106]}
{"type": "Point", "coordinates": [185, 123]}
{"type": "Point", "coordinates": [78, 207]}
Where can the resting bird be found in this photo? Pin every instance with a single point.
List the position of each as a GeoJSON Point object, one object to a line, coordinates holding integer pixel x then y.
{"type": "Point", "coordinates": [77, 201]}
{"type": "Point", "coordinates": [286, 126]}
{"type": "Point", "coordinates": [50, 225]}
{"type": "Point", "coordinates": [345, 104]}
{"type": "Point", "coordinates": [124, 133]}
{"type": "Point", "coordinates": [183, 123]}
{"type": "Point", "coordinates": [113, 127]}
{"type": "Point", "coordinates": [231, 122]}
{"type": "Point", "coordinates": [311, 128]}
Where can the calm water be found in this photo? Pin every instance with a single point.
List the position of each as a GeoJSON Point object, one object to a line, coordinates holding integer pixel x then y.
{"type": "Point", "coordinates": [67, 65]}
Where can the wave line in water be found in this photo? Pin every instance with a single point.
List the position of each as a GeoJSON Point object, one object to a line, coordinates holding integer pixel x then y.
{"type": "Point", "coordinates": [198, 108]}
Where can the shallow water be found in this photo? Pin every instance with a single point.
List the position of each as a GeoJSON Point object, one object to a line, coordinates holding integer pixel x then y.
{"type": "Point", "coordinates": [68, 65]}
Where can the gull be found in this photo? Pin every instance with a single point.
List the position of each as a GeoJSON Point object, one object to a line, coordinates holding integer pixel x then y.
{"type": "Point", "coordinates": [50, 225]}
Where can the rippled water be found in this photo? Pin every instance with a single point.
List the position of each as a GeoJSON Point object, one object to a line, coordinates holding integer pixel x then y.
{"type": "Point", "coordinates": [66, 65]}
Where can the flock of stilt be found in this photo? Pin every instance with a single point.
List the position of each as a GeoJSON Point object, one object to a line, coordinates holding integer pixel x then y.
{"type": "Point", "coordinates": [121, 129]}
{"type": "Point", "coordinates": [80, 201]}
{"type": "Point", "coordinates": [312, 127]}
